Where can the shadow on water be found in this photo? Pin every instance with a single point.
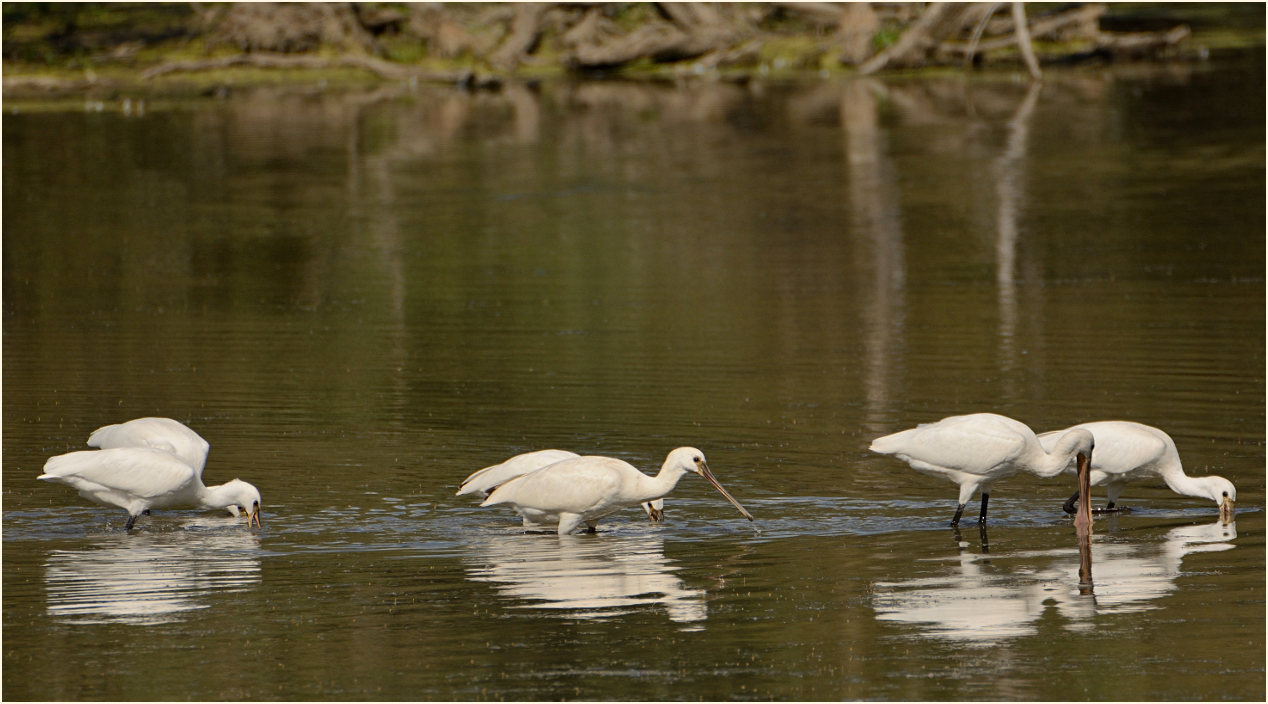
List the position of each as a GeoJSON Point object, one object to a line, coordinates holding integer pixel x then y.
{"type": "Point", "coordinates": [983, 598]}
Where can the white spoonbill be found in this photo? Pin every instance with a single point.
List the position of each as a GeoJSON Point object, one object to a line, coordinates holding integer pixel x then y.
{"type": "Point", "coordinates": [976, 450]}
{"type": "Point", "coordinates": [490, 478]}
{"type": "Point", "coordinates": [586, 489]}
{"type": "Point", "coordinates": [1128, 451]}
{"type": "Point", "coordinates": [159, 433]}
{"type": "Point", "coordinates": [146, 463]}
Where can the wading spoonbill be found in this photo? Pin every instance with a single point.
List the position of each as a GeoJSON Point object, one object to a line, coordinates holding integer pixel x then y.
{"type": "Point", "coordinates": [490, 478]}
{"type": "Point", "coordinates": [149, 463]}
{"type": "Point", "coordinates": [586, 489]}
{"type": "Point", "coordinates": [979, 449]}
{"type": "Point", "coordinates": [1128, 452]}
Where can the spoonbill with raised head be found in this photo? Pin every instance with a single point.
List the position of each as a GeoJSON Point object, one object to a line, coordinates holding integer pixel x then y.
{"type": "Point", "coordinates": [586, 489]}
{"type": "Point", "coordinates": [490, 478]}
{"type": "Point", "coordinates": [1127, 451]}
{"type": "Point", "coordinates": [978, 449]}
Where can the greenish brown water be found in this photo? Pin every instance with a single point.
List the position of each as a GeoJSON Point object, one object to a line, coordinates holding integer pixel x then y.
{"type": "Point", "coordinates": [360, 299]}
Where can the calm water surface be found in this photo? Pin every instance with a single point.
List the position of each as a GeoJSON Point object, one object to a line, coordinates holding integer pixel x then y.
{"type": "Point", "coordinates": [359, 299]}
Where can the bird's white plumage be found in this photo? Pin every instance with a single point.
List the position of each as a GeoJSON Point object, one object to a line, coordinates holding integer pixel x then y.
{"type": "Point", "coordinates": [123, 476]}
{"type": "Point", "coordinates": [587, 486]}
{"type": "Point", "coordinates": [586, 489]}
{"type": "Point", "coordinates": [1127, 451]}
{"type": "Point", "coordinates": [491, 477]}
{"type": "Point", "coordinates": [982, 444]}
{"type": "Point", "coordinates": [159, 433]}
{"type": "Point", "coordinates": [978, 449]}
{"type": "Point", "coordinates": [146, 463]}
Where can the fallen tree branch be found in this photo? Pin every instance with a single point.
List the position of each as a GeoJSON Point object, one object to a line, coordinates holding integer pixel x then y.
{"type": "Point", "coordinates": [383, 69]}
{"type": "Point", "coordinates": [1022, 35]}
{"type": "Point", "coordinates": [1138, 43]}
{"type": "Point", "coordinates": [522, 37]}
{"type": "Point", "coordinates": [1039, 29]}
{"type": "Point", "coordinates": [977, 32]}
{"type": "Point", "coordinates": [914, 44]}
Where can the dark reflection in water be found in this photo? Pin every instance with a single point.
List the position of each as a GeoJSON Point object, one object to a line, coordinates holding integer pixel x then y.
{"type": "Point", "coordinates": [360, 299]}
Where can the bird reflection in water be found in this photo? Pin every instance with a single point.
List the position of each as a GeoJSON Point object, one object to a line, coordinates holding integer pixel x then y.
{"type": "Point", "coordinates": [151, 578]}
{"type": "Point", "coordinates": [988, 597]}
{"type": "Point", "coordinates": [587, 578]}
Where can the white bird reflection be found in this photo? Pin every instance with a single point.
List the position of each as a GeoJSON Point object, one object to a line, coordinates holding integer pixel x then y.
{"type": "Point", "coordinates": [585, 576]}
{"type": "Point", "coordinates": [991, 597]}
{"type": "Point", "coordinates": [151, 578]}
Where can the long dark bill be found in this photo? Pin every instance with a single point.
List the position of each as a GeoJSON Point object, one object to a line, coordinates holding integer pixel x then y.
{"type": "Point", "coordinates": [1083, 516]}
{"type": "Point", "coordinates": [704, 472]}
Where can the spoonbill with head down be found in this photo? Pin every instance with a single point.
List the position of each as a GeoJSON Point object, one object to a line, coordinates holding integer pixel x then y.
{"type": "Point", "coordinates": [1128, 451]}
{"type": "Point", "coordinates": [149, 463]}
{"type": "Point", "coordinates": [978, 449]}
{"type": "Point", "coordinates": [586, 489]}
{"type": "Point", "coordinates": [490, 478]}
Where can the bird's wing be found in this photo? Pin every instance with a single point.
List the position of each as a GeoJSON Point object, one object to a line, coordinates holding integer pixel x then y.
{"type": "Point", "coordinates": [972, 444]}
{"type": "Point", "coordinates": [159, 433]}
{"type": "Point", "coordinates": [489, 477]}
{"type": "Point", "coordinates": [142, 472]}
{"type": "Point", "coordinates": [575, 486]}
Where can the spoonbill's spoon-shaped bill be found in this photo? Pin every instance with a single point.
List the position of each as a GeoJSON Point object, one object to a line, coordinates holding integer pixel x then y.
{"type": "Point", "coordinates": [978, 449]}
{"type": "Point", "coordinates": [490, 478]}
{"type": "Point", "coordinates": [587, 489]}
{"type": "Point", "coordinates": [1128, 452]}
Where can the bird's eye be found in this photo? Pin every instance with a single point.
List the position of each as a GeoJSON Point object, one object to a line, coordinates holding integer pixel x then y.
{"type": "Point", "coordinates": [1226, 494]}
{"type": "Point", "coordinates": [696, 460]}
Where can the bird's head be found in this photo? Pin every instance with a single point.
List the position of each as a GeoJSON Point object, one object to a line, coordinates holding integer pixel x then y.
{"type": "Point", "coordinates": [1080, 442]}
{"type": "Point", "coordinates": [245, 497]}
{"type": "Point", "coordinates": [1223, 493]}
{"type": "Point", "coordinates": [655, 510]}
{"type": "Point", "coordinates": [689, 459]}
{"type": "Point", "coordinates": [1077, 445]}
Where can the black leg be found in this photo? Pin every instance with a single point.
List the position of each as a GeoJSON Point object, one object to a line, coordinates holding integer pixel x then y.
{"type": "Point", "coordinates": [959, 511]}
{"type": "Point", "coordinates": [981, 517]}
{"type": "Point", "coordinates": [1069, 506]}
{"type": "Point", "coordinates": [986, 544]}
